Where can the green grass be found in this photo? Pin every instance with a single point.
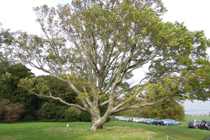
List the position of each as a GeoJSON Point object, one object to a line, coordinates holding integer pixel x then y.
{"type": "Point", "coordinates": [114, 130]}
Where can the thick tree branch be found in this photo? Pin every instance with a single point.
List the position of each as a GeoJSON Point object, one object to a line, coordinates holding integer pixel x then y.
{"type": "Point", "coordinates": [50, 96]}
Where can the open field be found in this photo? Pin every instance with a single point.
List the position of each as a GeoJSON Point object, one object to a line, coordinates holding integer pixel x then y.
{"type": "Point", "coordinates": [114, 130]}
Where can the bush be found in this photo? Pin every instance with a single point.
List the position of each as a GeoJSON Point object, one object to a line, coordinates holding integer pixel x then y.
{"type": "Point", "coordinates": [10, 112]}
{"type": "Point", "coordinates": [85, 117]}
{"type": "Point", "coordinates": [51, 111]}
{"type": "Point", "coordinates": [29, 117]}
{"type": "Point", "coordinates": [72, 115]}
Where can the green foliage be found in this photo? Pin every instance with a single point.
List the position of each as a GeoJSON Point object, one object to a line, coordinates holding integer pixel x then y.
{"type": "Point", "coordinates": [156, 5]}
{"type": "Point", "coordinates": [10, 75]}
{"type": "Point", "coordinates": [34, 107]}
{"type": "Point", "coordinates": [167, 109]}
{"type": "Point", "coordinates": [6, 39]}
{"type": "Point", "coordinates": [102, 44]}
{"type": "Point", "coordinates": [45, 85]}
{"type": "Point", "coordinates": [166, 87]}
{"type": "Point", "coordinates": [57, 87]}
{"type": "Point", "coordinates": [85, 117]}
{"type": "Point", "coordinates": [9, 78]}
{"type": "Point", "coordinates": [167, 90]}
{"type": "Point", "coordinates": [72, 114]}
{"type": "Point", "coordinates": [177, 47]}
{"type": "Point", "coordinates": [51, 111]}
{"type": "Point", "coordinates": [197, 80]}
{"type": "Point", "coordinates": [75, 115]}
{"type": "Point", "coordinates": [99, 35]}
{"type": "Point", "coordinates": [49, 85]}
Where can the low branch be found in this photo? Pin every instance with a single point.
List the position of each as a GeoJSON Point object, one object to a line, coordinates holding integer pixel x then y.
{"type": "Point", "coordinates": [73, 87]}
{"type": "Point", "coordinates": [104, 103]}
{"type": "Point", "coordinates": [61, 100]}
{"type": "Point", "coordinates": [127, 101]}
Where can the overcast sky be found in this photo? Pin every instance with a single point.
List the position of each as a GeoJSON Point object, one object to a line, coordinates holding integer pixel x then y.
{"type": "Point", "coordinates": [18, 15]}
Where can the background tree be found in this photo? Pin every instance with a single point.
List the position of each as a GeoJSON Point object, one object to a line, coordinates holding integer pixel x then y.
{"type": "Point", "coordinates": [170, 108]}
{"type": "Point", "coordinates": [6, 39]}
{"type": "Point", "coordinates": [197, 80]}
{"type": "Point", "coordinates": [29, 106]}
{"type": "Point", "coordinates": [102, 46]}
{"type": "Point", "coordinates": [49, 109]}
{"type": "Point", "coordinates": [10, 75]}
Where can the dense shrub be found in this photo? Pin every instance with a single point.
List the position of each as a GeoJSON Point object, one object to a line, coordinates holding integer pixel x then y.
{"type": "Point", "coordinates": [72, 114]}
{"type": "Point", "coordinates": [55, 112]}
{"type": "Point", "coordinates": [10, 112]}
{"type": "Point", "coordinates": [51, 111]}
{"type": "Point", "coordinates": [85, 117]}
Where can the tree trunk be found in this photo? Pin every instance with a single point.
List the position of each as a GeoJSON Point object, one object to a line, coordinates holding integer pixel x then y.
{"type": "Point", "coordinates": [98, 124]}
{"type": "Point", "coordinates": [97, 121]}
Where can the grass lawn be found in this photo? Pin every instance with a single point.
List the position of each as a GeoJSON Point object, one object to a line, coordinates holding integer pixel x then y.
{"type": "Point", "coordinates": [114, 130]}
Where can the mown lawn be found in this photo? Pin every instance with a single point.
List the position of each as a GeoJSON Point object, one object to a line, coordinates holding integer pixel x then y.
{"type": "Point", "coordinates": [114, 130]}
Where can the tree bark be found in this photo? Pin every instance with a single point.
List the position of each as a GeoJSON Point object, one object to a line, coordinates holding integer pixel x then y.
{"type": "Point", "coordinates": [98, 124]}
{"type": "Point", "coordinates": [97, 120]}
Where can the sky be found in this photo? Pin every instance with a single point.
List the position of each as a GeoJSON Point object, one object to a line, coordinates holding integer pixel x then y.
{"type": "Point", "coordinates": [19, 15]}
{"type": "Point", "coordinates": [194, 13]}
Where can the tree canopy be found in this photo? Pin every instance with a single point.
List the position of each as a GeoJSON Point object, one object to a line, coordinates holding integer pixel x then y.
{"type": "Point", "coordinates": [103, 42]}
